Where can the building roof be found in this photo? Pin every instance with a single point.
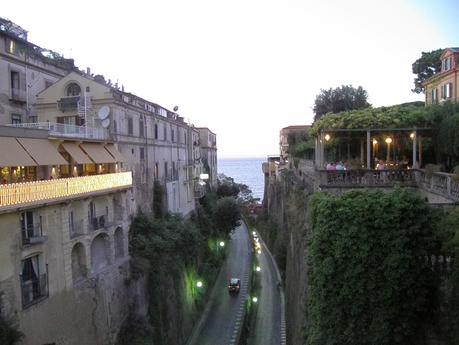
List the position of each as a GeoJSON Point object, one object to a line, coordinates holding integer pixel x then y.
{"type": "Point", "coordinates": [204, 128]}
{"type": "Point", "coordinates": [297, 127]}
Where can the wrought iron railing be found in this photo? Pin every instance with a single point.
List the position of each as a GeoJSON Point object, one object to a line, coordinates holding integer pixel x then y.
{"type": "Point", "coordinates": [76, 228]}
{"type": "Point", "coordinates": [17, 194]}
{"type": "Point", "coordinates": [34, 290]}
{"type": "Point", "coordinates": [366, 178]}
{"type": "Point", "coordinates": [64, 130]}
{"type": "Point", "coordinates": [32, 234]}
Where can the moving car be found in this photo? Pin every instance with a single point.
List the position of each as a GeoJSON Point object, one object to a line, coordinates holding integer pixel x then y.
{"type": "Point", "coordinates": [234, 285]}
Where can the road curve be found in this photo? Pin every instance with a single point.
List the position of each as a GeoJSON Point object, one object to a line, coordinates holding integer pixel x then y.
{"type": "Point", "coordinates": [223, 317]}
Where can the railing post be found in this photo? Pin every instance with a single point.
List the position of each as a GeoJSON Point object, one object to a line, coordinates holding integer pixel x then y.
{"type": "Point", "coordinates": [448, 185]}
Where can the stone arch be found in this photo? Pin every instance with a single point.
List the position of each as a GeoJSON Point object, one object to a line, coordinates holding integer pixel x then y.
{"type": "Point", "coordinates": [119, 243]}
{"type": "Point", "coordinates": [100, 252]}
{"type": "Point", "coordinates": [72, 89]}
{"type": "Point", "coordinates": [79, 268]}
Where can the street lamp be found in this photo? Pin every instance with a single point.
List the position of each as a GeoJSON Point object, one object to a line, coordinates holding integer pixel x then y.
{"type": "Point", "coordinates": [199, 284]}
{"type": "Point", "coordinates": [221, 244]}
{"type": "Point", "coordinates": [258, 269]}
{"type": "Point", "coordinates": [327, 137]}
{"type": "Point", "coordinates": [254, 299]}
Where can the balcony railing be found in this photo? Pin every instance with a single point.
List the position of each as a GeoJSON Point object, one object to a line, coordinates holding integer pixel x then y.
{"type": "Point", "coordinates": [33, 234]}
{"type": "Point", "coordinates": [366, 178]}
{"type": "Point", "coordinates": [34, 290]}
{"type": "Point", "coordinates": [76, 228]}
{"type": "Point", "coordinates": [66, 103]}
{"type": "Point", "coordinates": [18, 194]}
{"type": "Point", "coordinates": [63, 130]}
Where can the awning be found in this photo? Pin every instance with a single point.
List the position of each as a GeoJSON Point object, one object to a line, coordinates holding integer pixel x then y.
{"type": "Point", "coordinates": [12, 154]}
{"type": "Point", "coordinates": [98, 153]}
{"type": "Point", "coordinates": [115, 153]}
{"type": "Point", "coordinates": [76, 153]}
{"type": "Point", "coordinates": [43, 151]}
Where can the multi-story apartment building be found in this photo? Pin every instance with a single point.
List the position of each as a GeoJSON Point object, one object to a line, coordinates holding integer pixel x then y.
{"type": "Point", "coordinates": [25, 70]}
{"type": "Point", "coordinates": [290, 135]}
{"type": "Point", "coordinates": [157, 143]}
{"type": "Point", "coordinates": [208, 145]}
{"type": "Point", "coordinates": [64, 207]}
{"type": "Point", "coordinates": [443, 86]}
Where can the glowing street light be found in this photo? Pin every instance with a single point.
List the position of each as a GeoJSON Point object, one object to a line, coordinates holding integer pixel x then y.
{"type": "Point", "coordinates": [254, 299]}
{"type": "Point", "coordinates": [258, 269]}
{"type": "Point", "coordinates": [199, 284]}
{"type": "Point", "coordinates": [259, 251]}
{"type": "Point", "coordinates": [412, 135]}
{"type": "Point", "coordinates": [221, 244]}
{"type": "Point", "coordinates": [327, 137]}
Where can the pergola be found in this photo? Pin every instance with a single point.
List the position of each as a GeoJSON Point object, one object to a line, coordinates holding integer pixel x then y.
{"type": "Point", "coordinates": [369, 144]}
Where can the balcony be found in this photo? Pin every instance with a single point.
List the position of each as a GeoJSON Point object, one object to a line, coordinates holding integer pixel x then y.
{"type": "Point", "coordinates": [68, 103]}
{"type": "Point", "coordinates": [32, 193]}
{"type": "Point", "coordinates": [34, 290]}
{"type": "Point", "coordinates": [99, 222]}
{"type": "Point", "coordinates": [32, 234]}
{"type": "Point", "coordinates": [367, 178]}
{"type": "Point", "coordinates": [68, 131]}
{"type": "Point", "coordinates": [18, 95]}
{"type": "Point", "coordinates": [76, 228]}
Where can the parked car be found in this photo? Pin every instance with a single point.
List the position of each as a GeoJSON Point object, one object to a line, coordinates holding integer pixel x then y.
{"type": "Point", "coordinates": [234, 285]}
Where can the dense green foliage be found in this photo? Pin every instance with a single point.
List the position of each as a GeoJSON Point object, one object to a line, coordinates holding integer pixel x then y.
{"type": "Point", "coordinates": [343, 98]}
{"type": "Point", "coordinates": [368, 278]}
{"type": "Point", "coordinates": [227, 214]}
{"type": "Point", "coordinates": [158, 200]}
{"type": "Point", "coordinates": [426, 66]}
{"type": "Point", "coordinates": [397, 116]}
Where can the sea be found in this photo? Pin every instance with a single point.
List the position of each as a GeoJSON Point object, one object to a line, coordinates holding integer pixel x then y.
{"type": "Point", "coordinates": [245, 170]}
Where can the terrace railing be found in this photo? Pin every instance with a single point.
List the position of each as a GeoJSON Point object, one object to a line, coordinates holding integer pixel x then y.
{"type": "Point", "coordinates": [64, 130]}
{"type": "Point", "coordinates": [17, 194]}
{"type": "Point", "coordinates": [366, 178]}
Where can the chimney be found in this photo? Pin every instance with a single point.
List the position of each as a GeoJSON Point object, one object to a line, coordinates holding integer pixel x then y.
{"type": "Point", "coordinates": [88, 71]}
{"type": "Point", "coordinates": [122, 88]}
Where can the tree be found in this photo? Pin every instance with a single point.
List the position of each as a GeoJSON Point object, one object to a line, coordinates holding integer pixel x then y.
{"type": "Point", "coordinates": [426, 66]}
{"type": "Point", "coordinates": [227, 214]}
{"type": "Point", "coordinates": [343, 98]}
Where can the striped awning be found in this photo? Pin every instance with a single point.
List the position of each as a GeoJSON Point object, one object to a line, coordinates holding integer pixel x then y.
{"type": "Point", "coordinates": [43, 151]}
{"type": "Point", "coordinates": [97, 153]}
{"type": "Point", "coordinates": [76, 153]}
{"type": "Point", "coordinates": [115, 153]}
{"type": "Point", "coordinates": [12, 154]}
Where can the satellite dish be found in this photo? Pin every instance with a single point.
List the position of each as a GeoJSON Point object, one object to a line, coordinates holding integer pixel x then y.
{"type": "Point", "coordinates": [105, 123]}
{"type": "Point", "coordinates": [176, 108]}
{"type": "Point", "coordinates": [103, 112]}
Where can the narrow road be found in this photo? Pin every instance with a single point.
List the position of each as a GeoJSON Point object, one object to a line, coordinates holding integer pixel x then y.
{"type": "Point", "coordinates": [222, 319]}
{"type": "Point", "coordinates": [269, 326]}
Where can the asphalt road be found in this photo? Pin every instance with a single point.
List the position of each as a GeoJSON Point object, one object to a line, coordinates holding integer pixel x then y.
{"type": "Point", "coordinates": [222, 319]}
{"type": "Point", "coordinates": [267, 330]}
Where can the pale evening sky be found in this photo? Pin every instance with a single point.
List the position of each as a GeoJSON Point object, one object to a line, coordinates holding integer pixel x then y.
{"type": "Point", "coordinates": [244, 68]}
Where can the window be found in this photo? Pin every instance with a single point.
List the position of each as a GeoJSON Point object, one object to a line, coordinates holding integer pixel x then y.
{"type": "Point", "coordinates": [16, 118]}
{"type": "Point", "coordinates": [11, 47]}
{"type": "Point", "coordinates": [434, 96]}
{"type": "Point", "coordinates": [447, 64]}
{"type": "Point", "coordinates": [14, 80]}
{"type": "Point", "coordinates": [447, 91]}
{"type": "Point", "coordinates": [156, 131]}
{"type": "Point", "coordinates": [173, 170]}
{"type": "Point", "coordinates": [73, 90]}
{"type": "Point", "coordinates": [142, 153]}
{"type": "Point", "coordinates": [141, 128]}
{"type": "Point", "coordinates": [156, 170]}
{"type": "Point", "coordinates": [172, 135]}
{"type": "Point", "coordinates": [165, 133]}
{"type": "Point", "coordinates": [31, 228]}
{"type": "Point", "coordinates": [119, 243]}
{"type": "Point", "coordinates": [184, 137]}
{"type": "Point", "coordinates": [34, 281]}
{"type": "Point", "coordinates": [165, 169]}
{"type": "Point", "coordinates": [130, 126]}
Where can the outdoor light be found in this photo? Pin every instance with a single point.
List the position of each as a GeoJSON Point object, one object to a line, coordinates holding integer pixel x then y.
{"type": "Point", "coordinates": [375, 142]}
{"type": "Point", "coordinates": [258, 268]}
{"type": "Point", "coordinates": [259, 251]}
{"type": "Point", "coordinates": [327, 137]}
{"type": "Point", "coordinates": [199, 284]}
{"type": "Point", "coordinates": [388, 140]}
{"type": "Point", "coordinates": [222, 244]}
{"type": "Point", "coordinates": [254, 233]}
{"type": "Point", "coordinates": [204, 176]}
{"type": "Point", "coordinates": [412, 135]}
{"type": "Point", "coordinates": [254, 299]}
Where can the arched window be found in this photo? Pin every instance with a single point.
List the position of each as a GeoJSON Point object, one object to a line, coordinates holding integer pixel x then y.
{"type": "Point", "coordinates": [100, 252]}
{"type": "Point", "coordinates": [73, 90]}
{"type": "Point", "coordinates": [78, 262]}
{"type": "Point", "coordinates": [119, 243]}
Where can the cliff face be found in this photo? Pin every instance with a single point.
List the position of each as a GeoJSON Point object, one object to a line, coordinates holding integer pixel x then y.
{"type": "Point", "coordinates": [286, 233]}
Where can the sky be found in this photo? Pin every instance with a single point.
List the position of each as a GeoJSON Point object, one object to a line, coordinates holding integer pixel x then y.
{"type": "Point", "coordinates": [244, 68]}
